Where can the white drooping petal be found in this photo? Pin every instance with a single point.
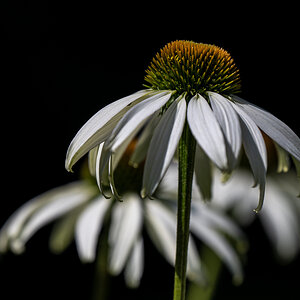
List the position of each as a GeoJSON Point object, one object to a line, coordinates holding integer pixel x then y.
{"type": "Point", "coordinates": [88, 228]}
{"type": "Point", "coordinates": [135, 265]}
{"type": "Point", "coordinates": [14, 226]}
{"type": "Point", "coordinates": [136, 117]}
{"type": "Point", "coordinates": [219, 245]}
{"type": "Point", "coordinates": [161, 226]}
{"type": "Point", "coordinates": [272, 126]}
{"type": "Point", "coordinates": [255, 150]}
{"type": "Point", "coordinates": [61, 201]}
{"type": "Point", "coordinates": [100, 126]}
{"type": "Point", "coordinates": [163, 145]}
{"type": "Point", "coordinates": [230, 126]}
{"type": "Point", "coordinates": [215, 219]}
{"type": "Point", "coordinates": [206, 130]}
{"type": "Point", "coordinates": [203, 173]}
{"type": "Point", "coordinates": [125, 228]}
{"type": "Point", "coordinates": [280, 221]}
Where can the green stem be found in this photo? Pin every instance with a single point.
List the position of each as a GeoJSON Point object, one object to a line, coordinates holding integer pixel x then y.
{"type": "Point", "coordinates": [186, 154]}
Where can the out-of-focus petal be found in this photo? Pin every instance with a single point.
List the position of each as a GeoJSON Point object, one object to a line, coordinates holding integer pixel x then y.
{"type": "Point", "coordinates": [88, 228]}
{"type": "Point", "coordinates": [135, 265]}
{"type": "Point", "coordinates": [125, 228]}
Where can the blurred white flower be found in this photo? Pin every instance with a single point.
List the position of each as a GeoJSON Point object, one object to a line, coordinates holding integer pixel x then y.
{"type": "Point", "coordinates": [81, 212]}
{"type": "Point", "coordinates": [280, 217]}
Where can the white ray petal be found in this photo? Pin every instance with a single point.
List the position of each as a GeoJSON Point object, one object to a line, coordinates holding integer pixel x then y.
{"type": "Point", "coordinates": [61, 202]}
{"type": "Point", "coordinates": [280, 221]}
{"type": "Point", "coordinates": [136, 117]}
{"type": "Point", "coordinates": [88, 227]}
{"type": "Point", "coordinates": [206, 130]}
{"type": "Point", "coordinates": [135, 265]}
{"type": "Point", "coordinates": [125, 228]}
{"type": "Point", "coordinates": [163, 145]}
{"type": "Point", "coordinates": [220, 246]}
{"type": "Point", "coordinates": [230, 126]}
{"type": "Point", "coordinates": [272, 126]}
{"type": "Point", "coordinates": [203, 213]}
{"type": "Point", "coordinates": [256, 152]}
{"type": "Point", "coordinates": [161, 226]}
{"type": "Point", "coordinates": [100, 126]}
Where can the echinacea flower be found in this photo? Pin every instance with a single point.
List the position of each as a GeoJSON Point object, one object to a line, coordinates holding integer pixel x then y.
{"type": "Point", "coordinates": [82, 212]}
{"type": "Point", "coordinates": [188, 83]}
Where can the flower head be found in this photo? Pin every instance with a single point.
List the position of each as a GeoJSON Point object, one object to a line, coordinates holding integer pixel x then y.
{"type": "Point", "coordinates": [193, 68]}
{"type": "Point", "coordinates": [193, 84]}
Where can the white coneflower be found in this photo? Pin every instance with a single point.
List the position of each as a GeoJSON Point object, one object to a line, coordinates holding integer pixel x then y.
{"type": "Point", "coordinates": [190, 82]}
{"type": "Point", "coordinates": [191, 107]}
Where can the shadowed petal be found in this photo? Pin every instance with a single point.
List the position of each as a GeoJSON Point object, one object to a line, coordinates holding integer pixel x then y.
{"type": "Point", "coordinates": [203, 173]}
{"type": "Point", "coordinates": [141, 148]}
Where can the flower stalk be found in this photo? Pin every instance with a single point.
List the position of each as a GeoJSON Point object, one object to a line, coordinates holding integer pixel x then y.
{"type": "Point", "coordinates": [186, 155]}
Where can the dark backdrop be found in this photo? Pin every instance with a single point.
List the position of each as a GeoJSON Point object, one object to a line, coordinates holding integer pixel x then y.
{"type": "Point", "coordinates": [61, 62]}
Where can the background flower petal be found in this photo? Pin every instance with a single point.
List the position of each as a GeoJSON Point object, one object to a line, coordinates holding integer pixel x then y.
{"type": "Point", "coordinates": [135, 265]}
{"type": "Point", "coordinates": [88, 228]}
{"type": "Point", "coordinates": [126, 224]}
{"type": "Point", "coordinates": [40, 211]}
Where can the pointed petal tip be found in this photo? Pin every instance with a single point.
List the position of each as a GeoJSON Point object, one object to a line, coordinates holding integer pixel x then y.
{"type": "Point", "coordinates": [143, 193]}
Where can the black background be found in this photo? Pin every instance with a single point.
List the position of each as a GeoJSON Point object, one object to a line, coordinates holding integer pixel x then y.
{"type": "Point", "coordinates": [62, 61]}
